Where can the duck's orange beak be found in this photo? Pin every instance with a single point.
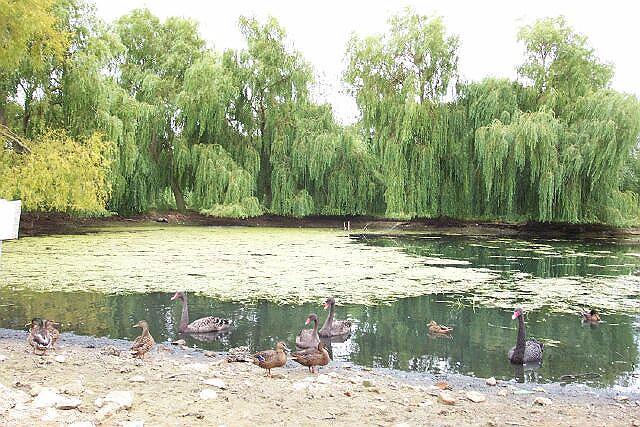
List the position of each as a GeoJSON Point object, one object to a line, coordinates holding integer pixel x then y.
{"type": "Point", "coordinates": [515, 315]}
{"type": "Point", "coordinates": [306, 322]}
{"type": "Point", "coordinates": [326, 305]}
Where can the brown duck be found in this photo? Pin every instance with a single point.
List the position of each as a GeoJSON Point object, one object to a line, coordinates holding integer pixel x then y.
{"type": "Point", "coordinates": [52, 328]}
{"type": "Point", "coordinates": [308, 338]}
{"type": "Point", "coordinates": [591, 317]}
{"type": "Point", "coordinates": [434, 328]}
{"type": "Point", "coordinates": [38, 337]}
{"type": "Point", "coordinates": [312, 357]}
{"type": "Point", "coordinates": [144, 343]}
{"type": "Point", "coordinates": [269, 359]}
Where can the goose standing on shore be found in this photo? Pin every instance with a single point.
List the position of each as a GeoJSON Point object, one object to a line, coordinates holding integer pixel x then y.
{"type": "Point", "coordinates": [205, 324]}
{"type": "Point", "coordinates": [525, 351]}
{"type": "Point", "coordinates": [332, 327]}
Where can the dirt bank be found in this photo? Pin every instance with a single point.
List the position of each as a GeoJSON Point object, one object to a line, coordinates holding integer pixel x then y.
{"type": "Point", "coordinates": [169, 389]}
{"type": "Point", "coordinates": [32, 224]}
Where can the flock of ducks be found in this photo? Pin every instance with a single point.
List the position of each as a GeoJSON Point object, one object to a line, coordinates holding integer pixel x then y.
{"type": "Point", "coordinates": [311, 351]}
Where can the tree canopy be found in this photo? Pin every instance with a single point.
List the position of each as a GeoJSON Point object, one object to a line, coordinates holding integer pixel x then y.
{"type": "Point", "coordinates": [154, 119]}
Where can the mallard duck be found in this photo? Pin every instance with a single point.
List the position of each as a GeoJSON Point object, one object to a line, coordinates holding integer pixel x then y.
{"type": "Point", "coordinates": [312, 357]}
{"type": "Point", "coordinates": [308, 338]}
{"type": "Point", "coordinates": [205, 324]}
{"type": "Point", "coordinates": [591, 317]}
{"type": "Point", "coordinates": [38, 337]}
{"type": "Point", "coordinates": [269, 359]}
{"type": "Point", "coordinates": [525, 351]}
{"type": "Point", "coordinates": [144, 343]}
{"type": "Point", "coordinates": [52, 328]}
{"type": "Point", "coordinates": [331, 327]}
{"type": "Point", "coordinates": [434, 328]}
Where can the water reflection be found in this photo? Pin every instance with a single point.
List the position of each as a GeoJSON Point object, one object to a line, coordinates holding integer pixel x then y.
{"type": "Point", "coordinates": [539, 258]}
{"type": "Point", "coordinates": [393, 335]}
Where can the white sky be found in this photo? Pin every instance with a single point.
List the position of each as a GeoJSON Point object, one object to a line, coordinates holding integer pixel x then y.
{"type": "Point", "coordinates": [487, 30]}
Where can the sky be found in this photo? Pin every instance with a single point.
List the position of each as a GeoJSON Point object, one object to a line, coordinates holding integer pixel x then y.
{"type": "Point", "coordinates": [487, 30]}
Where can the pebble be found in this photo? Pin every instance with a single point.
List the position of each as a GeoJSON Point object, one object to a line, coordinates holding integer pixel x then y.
{"type": "Point", "coordinates": [208, 394]}
{"type": "Point", "coordinates": [443, 385]}
{"type": "Point", "coordinates": [502, 393]}
{"type": "Point", "coordinates": [138, 379]}
{"type": "Point", "coordinates": [542, 401]}
{"type": "Point", "coordinates": [60, 358]}
{"type": "Point", "coordinates": [46, 398]}
{"type": "Point", "coordinates": [621, 398]}
{"type": "Point", "coordinates": [475, 396]}
{"type": "Point", "coordinates": [122, 398]}
{"type": "Point", "coordinates": [3, 357]}
{"type": "Point", "coordinates": [179, 342]}
{"type": "Point", "coordinates": [73, 388]}
{"type": "Point", "coordinates": [491, 381]}
{"type": "Point", "coordinates": [447, 398]}
{"type": "Point", "coordinates": [368, 383]}
{"type": "Point", "coordinates": [99, 402]}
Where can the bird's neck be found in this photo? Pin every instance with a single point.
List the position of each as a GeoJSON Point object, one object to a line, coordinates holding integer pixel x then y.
{"type": "Point", "coordinates": [184, 320]}
{"type": "Point", "coordinates": [329, 321]}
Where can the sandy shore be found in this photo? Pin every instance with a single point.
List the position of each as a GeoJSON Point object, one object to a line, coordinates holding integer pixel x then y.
{"type": "Point", "coordinates": [188, 387]}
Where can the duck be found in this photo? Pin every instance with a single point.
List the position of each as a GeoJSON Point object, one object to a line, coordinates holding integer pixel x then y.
{"type": "Point", "coordinates": [52, 328]}
{"type": "Point", "coordinates": [144, 343]}
{"type": "Point", "coordinates": [434, 328]}
{"type": "Point", "coordinates": [312, 357]}
{"type": "Point", "coordinates": [205, 324]}
{"type": "Point", "coordinates": [39, 337]}
{"type": "Point", "coordinates": [592, 316]}
{"type": "Point", "coordinates": [269, 359]}
{"type": "Point", "coordinates": [331, 327]}
{"type": "Point", "coordinates": [525, 351]}
{"type": "Point", "coordinates": [308, 338]}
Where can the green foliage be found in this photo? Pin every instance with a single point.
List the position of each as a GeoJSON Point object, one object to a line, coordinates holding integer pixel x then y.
{"type": "Point", "coordinates": [236, 133]}
{"type": "Point", "coordinates": [59, 174]}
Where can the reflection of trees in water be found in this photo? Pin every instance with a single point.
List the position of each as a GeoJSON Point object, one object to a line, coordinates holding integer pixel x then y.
{"type": "Point", "coordinates": [393, 335]}
{"type": "Point", "coordinates": [555, 260]}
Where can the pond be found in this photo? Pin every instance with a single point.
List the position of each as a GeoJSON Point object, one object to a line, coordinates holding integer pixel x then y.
{"type": "Point", "coordinates": [268, 280]}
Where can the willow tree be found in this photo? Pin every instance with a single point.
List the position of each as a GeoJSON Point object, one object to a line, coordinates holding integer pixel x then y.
{"type": "Point", "coordinates": [156, 57]}
{"type": "Point", "coordinates": [213, 161]}
{"type": "Point", "coordinates": [271, 78]}
{"type": "Point", "coordinates": [399, 80]}
{"type": "Point", "coordinates": [31, 36]}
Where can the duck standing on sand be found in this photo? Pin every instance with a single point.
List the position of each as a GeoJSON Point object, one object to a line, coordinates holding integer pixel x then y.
{"type": "Point", "coordinates": [591, 317]}
{"type": "Point", "coordinates": [312, 357]}
{"type": "Point", "coordinates": [205, 324]}
{"type": "Point", "coordinates": [269, 359]}
{"type": "Point", "coordinates": [308, 338]}
{"type": "Point", "coordinates": [52, 328]}
{"type": "Point", "coordinates": [525, 351]}
{"type": "Point", "coordinates": [144, 343]}
{"type": "Point", "coordinates": [38, 337]}
{"type": "Point", "coordinates": [332, 327]}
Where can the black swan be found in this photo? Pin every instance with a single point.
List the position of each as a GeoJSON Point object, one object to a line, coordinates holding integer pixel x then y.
{"type": "Point", "coordinates": [206, 324]}
{"type": "Point", "coordinates": [529, 351]}
{"type": "Point", "coordinates": [331, 327]}
{"type": "Point", "coordinates": [308, 338]}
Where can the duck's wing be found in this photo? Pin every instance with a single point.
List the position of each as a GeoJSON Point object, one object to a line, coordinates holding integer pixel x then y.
{"type": "Point", "coordinates": [209, 324]}
{"type": "Point", "coordinates": [264, 356]}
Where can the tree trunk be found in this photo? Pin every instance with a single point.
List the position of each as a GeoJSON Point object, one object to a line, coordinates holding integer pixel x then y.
{"type": "Point", "coordinates": [177, 193]}
{"type": "Point", "coordinates": [264, 177]}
